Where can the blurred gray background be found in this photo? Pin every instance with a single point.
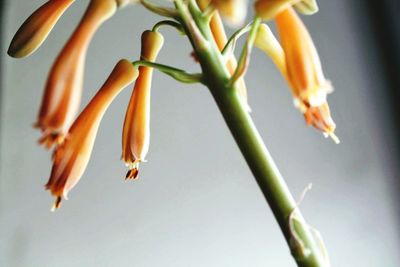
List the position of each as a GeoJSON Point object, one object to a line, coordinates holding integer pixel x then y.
{"type": "Point", "coordinates": [196, 203]}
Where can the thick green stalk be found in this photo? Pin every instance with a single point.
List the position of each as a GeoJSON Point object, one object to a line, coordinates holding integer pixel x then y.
{"type": "Point", "coordinates": [306, 248]}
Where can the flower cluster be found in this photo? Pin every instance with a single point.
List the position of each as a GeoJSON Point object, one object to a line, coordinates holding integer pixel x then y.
{"type": "Point", "coordinates": [295, 55]}
{"type": "Point", "coordinates": [72, 136]}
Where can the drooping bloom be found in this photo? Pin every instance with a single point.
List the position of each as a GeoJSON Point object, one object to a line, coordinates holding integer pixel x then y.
{"type": "Point", "coordinates": [218, 31]}
{"type": "Point", "coordinates": [34, 31]}
{"type": "Point", "coordinates": [72, 156]}
{"type": "Point", "coordinates": [233, 11]}
{"type": "Point", "coordinates": [63, 90]}
{"type": "Point", "coordinates": [136, 130]}
{"type": "Point", "coordinates": [268, 9]}
{"type": "Point", "coordinates": [304, 72]}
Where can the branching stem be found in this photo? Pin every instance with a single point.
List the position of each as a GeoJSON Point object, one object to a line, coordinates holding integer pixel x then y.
{"type": "Point", "coordinates": [218, 79]}
{"type": "Point", "coordinates": [177, 74]}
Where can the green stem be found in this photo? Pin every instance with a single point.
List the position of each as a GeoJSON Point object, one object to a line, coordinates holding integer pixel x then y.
{"type": "Point", "coordinates": [307, 249]}
{"type": "Point", "coordinates": [170, 23]}
{"type": "Point", "coordinates": [177, 74]}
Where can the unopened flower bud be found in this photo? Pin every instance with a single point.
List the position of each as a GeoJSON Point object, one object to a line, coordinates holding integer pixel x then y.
{"type": "Point", "coordinates": [136, 130]}
{"type": "Point", "coordinates": [63, 90]}
{"type": "Point", "coordinates": [34, 31]}
{"type": "Point", "coordinates": [72, 156]}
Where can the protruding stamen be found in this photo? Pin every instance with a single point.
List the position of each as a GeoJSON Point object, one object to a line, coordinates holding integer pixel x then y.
{"type": "Point", "coordinates": [56, 204]}
{"type": "Point", "coordinates": [48, 140]}
{"type": "Point", "coordinates": [132, 174]}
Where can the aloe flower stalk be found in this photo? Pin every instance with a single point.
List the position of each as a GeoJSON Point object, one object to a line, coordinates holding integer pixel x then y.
{"type": "Point", "coordinates": [220, 38]}
{"type": "Point", "coordinates": [63, 89]}
{"type": "Point", "coordinates": [199, 20]}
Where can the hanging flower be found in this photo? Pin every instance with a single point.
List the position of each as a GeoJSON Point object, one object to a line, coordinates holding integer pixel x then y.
{"type": "Point", "coordinates": [34, 31]}
{"type": "Point", "coordinates": [136, 130]}
{"type": "Point", "coordinates": [64, 84]}
{"type": "Point", "coordinates": [304, 72]}
{"type": "Point", "coordinates": [72, 156]}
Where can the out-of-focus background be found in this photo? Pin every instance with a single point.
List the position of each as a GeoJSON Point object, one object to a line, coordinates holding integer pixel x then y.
{"type": "Point", "coordinates": [196, 203]}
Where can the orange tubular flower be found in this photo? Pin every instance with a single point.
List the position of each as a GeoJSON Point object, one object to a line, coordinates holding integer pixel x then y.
{"type": "Point", "coordinates": [37, 27]}
{"type": "Point", "coordinates": [72, 156]}
{"type": "Point", "coordinates": [218, 31]}
{"type": "Point", "coordinates": [304, 72]}
{"type": "Point", "coordinates": [136, 131]}
{"type": "Point", "coordinates": [64, 84]}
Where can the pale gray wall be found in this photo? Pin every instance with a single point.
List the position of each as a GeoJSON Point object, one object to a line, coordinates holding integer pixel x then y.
{"type": "Point", "coordinates": [196, 203]}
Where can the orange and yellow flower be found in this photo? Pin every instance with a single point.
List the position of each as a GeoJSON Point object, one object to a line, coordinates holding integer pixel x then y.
{"type": "Point", "coordinates": [136, 130]}
{"type": "Point", "coordinates": [34, 31]}
{"type": "Point", "coordinates": [72, 156]}
{"type": "Point", "coordinates": [63, 90]}
{"type": "Point", "coordinates": [304, 72]}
